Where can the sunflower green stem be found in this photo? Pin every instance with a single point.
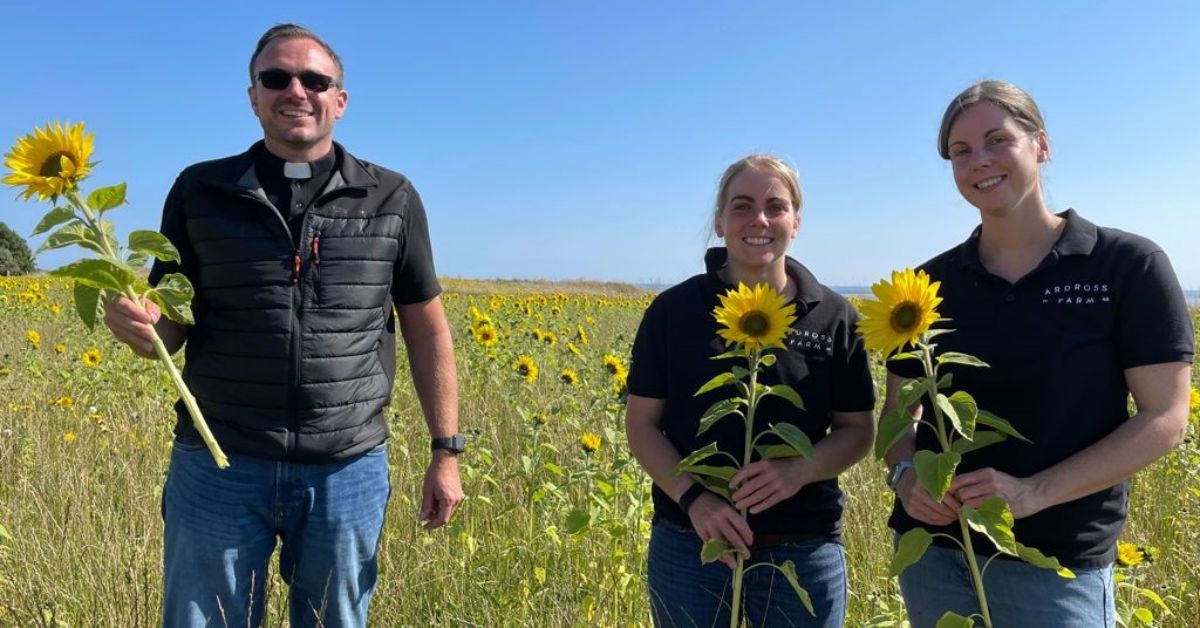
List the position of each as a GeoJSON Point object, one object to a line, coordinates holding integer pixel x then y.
{"type": "Point", "coordinates": [943, 440]}
{"type": "Point", "coordinates": [751, 406]}
{"type": "Point", "coordinates": [160, 349]}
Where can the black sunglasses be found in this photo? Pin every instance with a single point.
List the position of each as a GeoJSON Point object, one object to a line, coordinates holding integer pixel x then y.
{"type": "Point", "coordinates": [277, 79]}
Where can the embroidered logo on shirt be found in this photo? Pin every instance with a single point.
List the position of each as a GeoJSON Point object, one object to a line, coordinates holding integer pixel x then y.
{"type": "Point", "coordinates": [806, 341]}
{"type": "Point", "coordinates": [1081, 293]}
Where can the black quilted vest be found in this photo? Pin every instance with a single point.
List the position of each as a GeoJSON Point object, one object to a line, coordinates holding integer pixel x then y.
{"type": "Point", "coordinates": [292, 356]}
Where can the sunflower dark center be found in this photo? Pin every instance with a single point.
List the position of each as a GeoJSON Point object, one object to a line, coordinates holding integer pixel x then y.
{"type": "Point", "coordinates": [905, 317]}
{"type": "Point", "coordinates": [52, 167]}
{"type": "Point", "coordinates": [754, 323]}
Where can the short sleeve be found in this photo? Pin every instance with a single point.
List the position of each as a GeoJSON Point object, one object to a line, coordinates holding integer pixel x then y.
{"type": "Point", "coordinates": [174, 227]}
{"type": "Point", "coordinates": [414, 279]}
{"type": "Point", "coordinates": [1153, 325]}
{"type": "Point", "coordinates": [647, 367]}
{"type": "Point", "coordinates": [853, 390]}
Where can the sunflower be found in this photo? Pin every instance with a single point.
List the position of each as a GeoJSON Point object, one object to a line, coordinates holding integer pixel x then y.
{"type": "Point", "coordinates": [755, 318]}
{"type": "Point", "coordinates": [526, 368]}
{"type": "Point", "coordinates": [612, 363]}
{"type": "Point", "coordinates": [573, 349]}
{"type": "Point", "coordinates": [901, 311]}
{"type": "Point", "coordinates": [60, 348]}
{"type": "Point", "coordinates": [34, 338]}
{"type": "Point", "coordinates": [1194, 400]}
{"type": "Point", "coordinates": [91, 358]}
{"type": "Point", "coordinates": [1128, 554]}
{"type": "Point", "coordinates": [549, 337]}
{"type": "Point", "coordinates": [590, 442]}
{"type": "Point", "coordinates": [582, 335]}
{"type": "Point", "coordinates": [567, 376]}
{"type": "Point", "coordinates": [50, 161]}
{"type": "Point", "coordinates": [486, 335]}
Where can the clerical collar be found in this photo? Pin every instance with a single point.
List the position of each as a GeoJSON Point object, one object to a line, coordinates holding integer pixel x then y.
{"type": "Point", "coordinates": [273, 166]}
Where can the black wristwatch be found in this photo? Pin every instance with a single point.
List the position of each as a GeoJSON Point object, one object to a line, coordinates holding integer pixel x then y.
{"type": "Point", "coordinates": [455, 444]}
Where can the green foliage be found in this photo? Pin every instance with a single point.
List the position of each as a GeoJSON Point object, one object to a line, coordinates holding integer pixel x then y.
{"type": "Point", "coordinates": [15, 258]}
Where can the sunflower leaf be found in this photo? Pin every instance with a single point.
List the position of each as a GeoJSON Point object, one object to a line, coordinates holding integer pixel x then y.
{"type": "Point", "coordinates": [934, 333]}
{"type": "Point", "coordinates": [892, 427]}
{"type": "Point", "coordinates": [949, 411]}
{"type": "Point", "coordinates": [52, 219]}
{"type": "Point", "coordinates": [787, 392]}
{"type": "Point", "coordinates": [788, 569]}
{"type": "Point", "coordinates": [716, 485]}
{"type": "Point", "coordinates": [136, 260]}
{"type": "Point", "coordinates": [73, 233]}
{"type": "Point", "coordinates": [740, 372]}
{"type": "Point", "coordinates": [723, 473]}
{"type": "Point", "coordinates": [907, 355]}
{"type": "Point", "coordinates": [173, 295]}
{"type": "Point", "coordinates": [795, 437]}
{"type": "Point", "coordinates": [999, 424]}
{"type": "Point", "coordinates": [995, 520]}
{"type": "Point", "coordinates": [909, 550]}
{"type": "Point", "coordinates": [732, 353]}
{"type": "Point", "coordinates": [106, 198]}
{"type": "Point", "coordinates": [1034, 557]}
{"type": "Point", "coordinates": [696, 456]}
{"type": "Point", "coordinates": [770, 452]}
{"type": "Point", "coordinates": [718, 411]}
{"type": "Point", "coordinates": [713, 550]}
{"type": "Point", "coordinates": [87, 304]}
{"type": "Point", "coordinates": [936, 471]}
{"type": "Point", "coordinates": [98, 273]}
{"type": "Point", "coordinates": [768, 359]}
{"type": "Point", "coordinates": [153, 243]}
{"type": "Point", "coordinates": [966, 410]}
{"type": "Point", "coordinates": [723, 379]}
{"type": "Point", "coordinates": [951, 619]}
{"type": "Point", "coordinates": [945, 381]}
{"type": "Point", "coordinates": [981, 439]}
{"type": "Point", "coordinates": [578, 521]}
{"type": "Point", "coordinates": [910, 391]}
{"type": "Point", "coordinates": [954, 357]}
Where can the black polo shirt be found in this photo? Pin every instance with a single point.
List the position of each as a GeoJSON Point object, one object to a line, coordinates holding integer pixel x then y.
{"type": "Point", "coordinates": [825, 362]}
{"type": "Point", "coordinates": [1058, 342]}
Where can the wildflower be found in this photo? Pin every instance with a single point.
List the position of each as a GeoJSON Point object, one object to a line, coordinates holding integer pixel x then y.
{"type": "Point", "coordinates": [34, 338]}
{"type": "Point", "coordinates": [50, 161]}
{"type": "Point", "coordinates": [91, 357]}
{"type": "Point", "coordinates": [590, 442]}
{"type": "Point", "coordinates": [755, 318]}
{"type": "Point", "coordinates": [486, 335]}
{"type": "Point", "coordinates": [901, 311]}
{"type": "Point", "coordinates": [64, 402]}
{"type": "Point", "coordinates": [569, 377]}
{"type": "Point", "coordinates": [69, 437]}
{"type": "Point", "coordinates": [526, 368]}
{"type": "Point", "coordinates": [1194, 400]}
{"type": "Point", "coordinates": [60, 348]}
{"type": "Point", "coordinates": [1128, 554]}
{"type": "Point", "coordinates": [56, 308]}
{"type": "Point", "coordinates": [612, 363]}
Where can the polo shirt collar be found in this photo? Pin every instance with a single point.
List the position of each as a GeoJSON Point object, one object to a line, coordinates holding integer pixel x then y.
{"type": "Point", "coordinates": [1078, 238]}
{"type": "Point", "coordinates": [808, 288]}
{"type": "Point", "coordinates": [349, 173]}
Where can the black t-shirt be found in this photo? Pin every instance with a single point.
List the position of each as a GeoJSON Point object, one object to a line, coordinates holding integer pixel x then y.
{"type": "Point", "coordinates": [1058, 342]}
{"type": "Point", "coordinates": [825, 362]}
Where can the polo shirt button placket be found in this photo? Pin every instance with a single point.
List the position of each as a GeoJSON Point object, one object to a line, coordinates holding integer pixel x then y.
{"type": "Point", "coordinates": [1009, 298]}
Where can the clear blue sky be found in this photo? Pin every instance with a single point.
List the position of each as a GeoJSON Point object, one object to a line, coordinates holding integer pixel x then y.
{"type": "Point", "coordinates": [584, 139]}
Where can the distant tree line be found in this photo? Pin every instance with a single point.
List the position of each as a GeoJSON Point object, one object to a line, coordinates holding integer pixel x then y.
{"type": "Point", "coordinates": [15, 256]}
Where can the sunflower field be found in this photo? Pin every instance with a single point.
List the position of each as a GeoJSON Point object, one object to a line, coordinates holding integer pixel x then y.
{"type": "Point", "coordinates": [555, 526]}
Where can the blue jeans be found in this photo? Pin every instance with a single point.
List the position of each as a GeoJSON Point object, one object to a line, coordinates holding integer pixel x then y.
{"type": "Point", "coordinates": [1018, 593]}
{"type": "Point", "coordinates": [221, 527]}
{"type": "Point", "coordinates": [685, 593]}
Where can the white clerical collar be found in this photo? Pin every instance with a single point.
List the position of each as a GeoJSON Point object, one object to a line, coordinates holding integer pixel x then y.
{"type": "Point", "coordinates": [293, 170]}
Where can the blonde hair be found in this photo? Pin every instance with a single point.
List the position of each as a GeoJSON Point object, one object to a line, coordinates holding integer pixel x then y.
{"type": "Point", "coordinates": [769, 164]}
{"type": "Point", "coordinates": [1005, 95]}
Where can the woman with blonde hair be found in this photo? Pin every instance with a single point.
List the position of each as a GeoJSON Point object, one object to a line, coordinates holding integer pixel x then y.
{"type": "Point", "coordinates": [794, 504]}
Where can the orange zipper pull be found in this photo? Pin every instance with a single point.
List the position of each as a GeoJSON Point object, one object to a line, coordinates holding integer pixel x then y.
{"type": "Point", "coordinates": [316, 248]}
{"type": "Point", "coordinates": [295, 268]}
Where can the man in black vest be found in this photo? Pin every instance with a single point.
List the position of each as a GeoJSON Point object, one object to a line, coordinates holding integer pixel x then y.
{"type": "Point", "coordinates": [298, 252]}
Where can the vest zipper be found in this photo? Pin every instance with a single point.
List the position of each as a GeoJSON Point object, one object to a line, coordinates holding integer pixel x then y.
{"type": "Point", "coordinates": [316, 269]}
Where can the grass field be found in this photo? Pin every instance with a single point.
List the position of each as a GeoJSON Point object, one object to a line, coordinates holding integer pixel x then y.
{"type": "Point", "coordinates": [551, 535]}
